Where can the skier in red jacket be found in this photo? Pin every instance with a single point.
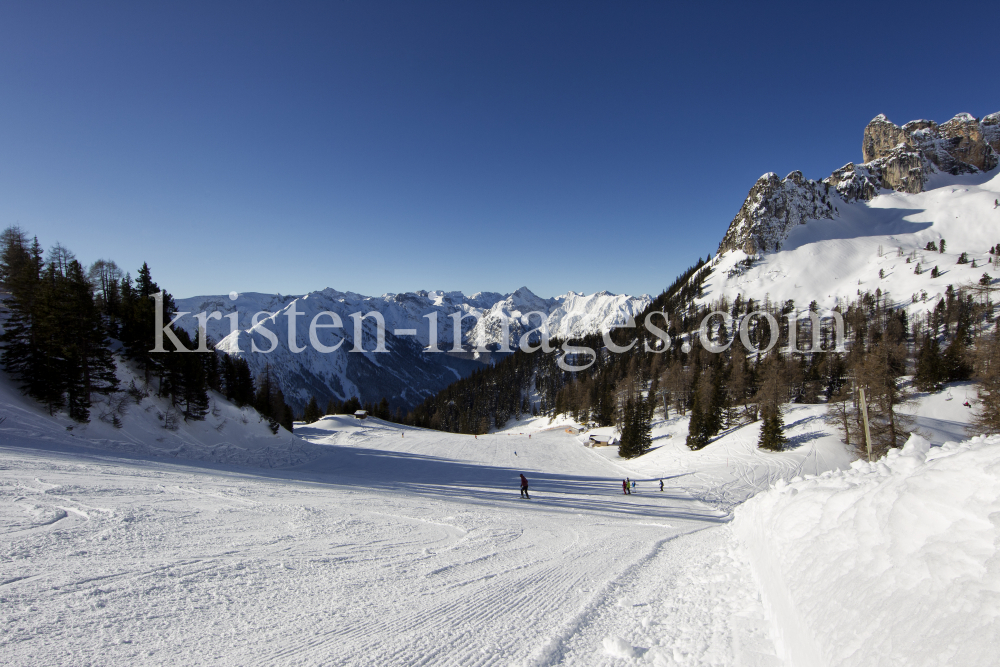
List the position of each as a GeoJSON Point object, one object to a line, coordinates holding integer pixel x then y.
{"type": "Point", "coordinates": [524, 487]}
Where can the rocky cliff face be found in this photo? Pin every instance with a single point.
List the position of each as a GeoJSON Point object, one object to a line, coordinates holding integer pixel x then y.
{"type": "Point", "coordinates": [772, 208]}
{"type": "Point", "coordinates": [905, 156]}
{"type": "Point", "coordinates": [895, 158]}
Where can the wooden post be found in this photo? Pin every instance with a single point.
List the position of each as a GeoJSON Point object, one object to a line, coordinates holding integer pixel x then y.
{"type": "Point", "coordinates": [864, 416]}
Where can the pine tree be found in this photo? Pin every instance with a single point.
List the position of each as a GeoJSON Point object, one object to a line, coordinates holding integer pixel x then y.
{"type": "Point", "coordinates": [55, 339]}
{"type": "Point", "coordinates": [138, 329]}
{"type": "Point", "coordinates": [237, 380]}
{"type": "Point", "coordinates": [636, 434]}
{"type": "Point", "coordinates": [89, 365]}
{"type": "Point", "coordinates": [270, 402]}
{"type": "Point", "coordinates": [24, 356]}
{"type": "Point", "coordinates": [986, 418]}
{"type": "Point", "coordinates": [697, 433]}
{"type": "Point", "coordinates": [770, 397]}
{"type": "Point", "coordinates": [954, 361]}
{"type": "Point", "coordinates": [312, 413]}
{"type": "Point", "coordinates": [930, 367]}
{"type": "Point", "coordinates": [772, 435]}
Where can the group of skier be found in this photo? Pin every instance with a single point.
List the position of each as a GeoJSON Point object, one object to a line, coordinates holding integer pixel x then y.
{"type": "Point", "coordinates": [627, 486]}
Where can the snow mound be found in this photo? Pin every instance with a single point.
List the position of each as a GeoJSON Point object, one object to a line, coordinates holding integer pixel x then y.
{"type": "Point", "coordinates": [617, 647]}
{"type": "Point", "coordinates": [897, 557]}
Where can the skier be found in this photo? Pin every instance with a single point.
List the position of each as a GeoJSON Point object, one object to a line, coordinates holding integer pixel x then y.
{"type": "Point", "coordinates": [633, 484]}
{"type": "Point", "coordinates": [625, 487]}
{"type": "Point", "coordinates": [524, 487]}
{"type": "Point", "coordinates": [661, 485]}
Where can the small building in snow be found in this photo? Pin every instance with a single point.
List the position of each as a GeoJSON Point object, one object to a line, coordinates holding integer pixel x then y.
{"type": "Point", "coordinates": [360, 414]}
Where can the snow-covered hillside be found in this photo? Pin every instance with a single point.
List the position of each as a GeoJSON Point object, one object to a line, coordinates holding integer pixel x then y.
{"type": "Point", "coordinates": [151, 428]}
{"type": "Point", "coordinates": [405, 376]}
{"type": "Point", "coordinates": [867, 227]}
{"type": "Point", "coordinates": [829, 260]}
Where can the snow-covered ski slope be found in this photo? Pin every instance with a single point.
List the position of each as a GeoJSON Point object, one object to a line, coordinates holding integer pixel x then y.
{"type": "Point", "coordinates": [388, 545]}
{"type": "Point", "coordinates": [824, 260]}
{"type": "Point", "coordinates": [397, 546]}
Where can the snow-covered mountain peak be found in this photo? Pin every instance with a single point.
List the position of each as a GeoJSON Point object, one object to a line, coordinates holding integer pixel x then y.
{"type": "Point", "coordinates": [901, 159]}
{"type": "Point", "coordinates": [878, 244]}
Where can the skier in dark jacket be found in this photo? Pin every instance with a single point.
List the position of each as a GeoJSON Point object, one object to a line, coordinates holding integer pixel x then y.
{"type": "Point", "coordinates": [524, 487]}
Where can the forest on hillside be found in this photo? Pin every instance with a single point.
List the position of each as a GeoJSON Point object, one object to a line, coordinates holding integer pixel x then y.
{"type": "Point", "coordinates": [63, 322]}
{"type": "Point", "coordinates": [957, 340]}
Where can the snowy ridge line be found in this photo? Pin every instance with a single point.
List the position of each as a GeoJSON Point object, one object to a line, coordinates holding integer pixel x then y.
{"type": "Point", "coordinates": [552, 650]}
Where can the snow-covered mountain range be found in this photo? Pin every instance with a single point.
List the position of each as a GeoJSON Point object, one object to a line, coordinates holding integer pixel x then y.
{"type": "Point", "coordinates": [867, 227]}
{"type": "Point", "coordinates": [406, 374]}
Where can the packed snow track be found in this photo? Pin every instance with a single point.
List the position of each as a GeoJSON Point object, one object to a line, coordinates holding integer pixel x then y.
{"type": "Point", "coordinates": [397, 547]}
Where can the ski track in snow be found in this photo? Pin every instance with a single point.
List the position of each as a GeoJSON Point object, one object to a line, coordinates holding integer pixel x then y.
{"type": "Point", "coordinates": [392, 549]}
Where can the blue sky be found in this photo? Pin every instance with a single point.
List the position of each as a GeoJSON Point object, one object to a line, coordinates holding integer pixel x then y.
{"type": "Point", "coordinates": [393, 146]}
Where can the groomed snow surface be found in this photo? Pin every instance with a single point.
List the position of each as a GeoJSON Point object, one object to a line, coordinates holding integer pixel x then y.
{"type": "Point", "coordinates": [390, 545]}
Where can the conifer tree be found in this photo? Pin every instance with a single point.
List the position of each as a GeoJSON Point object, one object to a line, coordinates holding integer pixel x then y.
{"type": "Point", "coordinates": [21, 266]}
{"type": "Point", "coordinates": [270, 402]}
{"type": "Point", "coordinates": [930, 365]}
{"type": "Point", "coordinates": [237, 380]}
{"type": "Point", "coordinates": [772, 427]}
{"type": "Point", "coordinates": [986, 418]}
{"type": "Point", "coordinates": [636, 433]}
{"type": "Point", "coordinates": [312, 413]}
{"type": "Point", "coordinates": [55, 342]}
{"type": "Point", "coordinates": [769, 398]}
{"type": "Point", "coordinates": [954, 362]}
{"type": "Point", "coordinates": [697, 434]}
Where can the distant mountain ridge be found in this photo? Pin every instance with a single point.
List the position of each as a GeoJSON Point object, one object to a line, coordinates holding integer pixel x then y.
{"type": "Point", "coordinates": [406, 374]}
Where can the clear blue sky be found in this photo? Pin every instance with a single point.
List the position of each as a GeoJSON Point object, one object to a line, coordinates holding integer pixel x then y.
{"type": "Point", "coordinates": [394, 146]}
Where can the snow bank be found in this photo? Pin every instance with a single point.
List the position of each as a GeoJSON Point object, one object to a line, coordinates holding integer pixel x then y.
{"type": "Point", "coordinates": [891, 563]}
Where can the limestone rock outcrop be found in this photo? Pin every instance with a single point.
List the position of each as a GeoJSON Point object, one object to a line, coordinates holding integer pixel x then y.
{"type": "Point", "coordinates": [895, 158]}
{"type": "Point", "coordinates": [772, 208]}
{"type": "Point", "coordinates": [907, 155]}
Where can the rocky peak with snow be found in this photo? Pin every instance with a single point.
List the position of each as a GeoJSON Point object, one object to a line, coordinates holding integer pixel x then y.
{"type": "Point", "coordinates": [895, 158]}
{"type": "Point", "coordinates": [773, 207]}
